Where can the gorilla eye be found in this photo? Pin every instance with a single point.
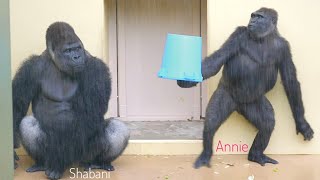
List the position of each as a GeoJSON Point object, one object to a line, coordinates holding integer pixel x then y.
{"type": "Point", "coordinates": [259, 16]}
{"type": "Point", "coordinates": [68, 50]}
{"type": "Point", "coordinates": [256, 16]}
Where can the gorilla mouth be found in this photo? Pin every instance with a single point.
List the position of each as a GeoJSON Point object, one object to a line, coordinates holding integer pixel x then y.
{"type": "Point", "coordinates": [78, 68]}
{"type": "Point", "coordinates": [250, 26]}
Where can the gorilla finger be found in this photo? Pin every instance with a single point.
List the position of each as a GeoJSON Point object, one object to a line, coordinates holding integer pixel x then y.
{"type": "Point", "coordinates": [272, 161]}
{"type": "Point", "coordinates": [308, 136]}
{"type": "Point", "coordinates": [109, 168]}
{"type": "Point", "coordinates": [181, 84]}
{"type": "Point", "coordinates": [186, 84]}
{"type": "Point", "coordinates": [53, 175]}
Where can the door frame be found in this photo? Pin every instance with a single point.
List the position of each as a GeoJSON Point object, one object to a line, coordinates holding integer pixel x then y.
{"type": "Point", "coordinates": [113, 46]}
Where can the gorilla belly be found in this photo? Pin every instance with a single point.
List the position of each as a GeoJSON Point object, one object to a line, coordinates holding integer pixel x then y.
{"type": "Point", "coordinates": [247, 79]}
{"type": "Point", "coordinates": [57, 115]}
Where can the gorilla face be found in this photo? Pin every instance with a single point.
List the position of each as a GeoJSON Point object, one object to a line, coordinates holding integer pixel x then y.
{"type": "Point", "coordinates": [261, 24]}
{"type": "Point", "coordinates": [70, 57]}
{"type": "Point", "coordinates": [65, 48]}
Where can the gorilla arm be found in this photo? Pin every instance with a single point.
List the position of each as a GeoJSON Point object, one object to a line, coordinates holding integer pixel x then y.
{"type": "Point", "coordinates": [24, 88]}
{"type": "Point", "coordinates": [103, 86]}
{"type": "Point", "coordinates": [293, 92]}
{"type": "Point", "coordinates": [99, 85]}
{"type": "Point", "coordinates": [212, 64]}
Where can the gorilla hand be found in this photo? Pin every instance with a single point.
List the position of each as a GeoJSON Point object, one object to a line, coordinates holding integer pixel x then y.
{"type": "Point", "coordinates": [186, 84]}
{"type": "Point", "coordinates": [15, 159]}
{"type": "Point", "coordinates": [305, 129]}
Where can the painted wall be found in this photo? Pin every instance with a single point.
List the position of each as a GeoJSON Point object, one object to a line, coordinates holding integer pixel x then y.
{"type": "Point", "coordinates": [30, 19]}
{"type": "Point", "coordinates": [299, 24]}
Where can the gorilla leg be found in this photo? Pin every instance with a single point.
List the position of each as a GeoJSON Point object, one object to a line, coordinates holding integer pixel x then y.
{"type": "Point", "coordinates": [33, 141]}
{"type": "Point", "coordinates": [115, 140]}
{"type": "Point", "coordinates": [220, 106]}
{"type": "Point", "coordinates": [261, 114]}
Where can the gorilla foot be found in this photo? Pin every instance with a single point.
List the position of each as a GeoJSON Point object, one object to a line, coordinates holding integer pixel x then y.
{"type": "Point", "coordinates": [53, 175]}
{"type": "Point", "coordinates": [104, 166]}
{"type": "Point", "coordinates": [35, 168]}
{"type": "Point", "coordinates": [203, 160]}
{"type": "Point", "coordinates": [261, 159]}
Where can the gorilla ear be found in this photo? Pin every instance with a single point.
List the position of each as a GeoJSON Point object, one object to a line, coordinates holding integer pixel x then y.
{"type": "Point", "coordinates": [87, 54]}
{"type": "Point", "coordinates": [274, 20]}
{"type": "Point", "coordinates": [49, 46]}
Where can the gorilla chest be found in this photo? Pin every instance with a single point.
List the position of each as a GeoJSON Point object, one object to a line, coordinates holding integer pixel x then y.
{"type": "Point", "coordinates": [254, 59]}
{"type": "Point", "coordinates": [261, 54]}
{"type": "Point", "coordinates": [58, 88]}
{"type": "Point", "coordinates": [248, 79]}
{"type": "Point", "coordinates": [254, 69]}
{"type": "Point", "coordinates": [243, 66]}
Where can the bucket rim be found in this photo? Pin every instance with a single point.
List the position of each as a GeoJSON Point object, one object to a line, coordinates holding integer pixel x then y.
{"type": "Point", "coordinates": [183, 35]}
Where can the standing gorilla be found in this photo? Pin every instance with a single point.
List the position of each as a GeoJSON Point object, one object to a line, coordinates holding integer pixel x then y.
{"type": "Point", "coordinates": [252, 57]}
{"type": "Point", "coordinates": [69, 91]}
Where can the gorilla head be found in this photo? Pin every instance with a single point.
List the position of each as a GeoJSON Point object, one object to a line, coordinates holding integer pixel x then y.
{"type": "Point", "coordinates": [263, 22]}
{"type": "Point", "coordinates": [65, 48]}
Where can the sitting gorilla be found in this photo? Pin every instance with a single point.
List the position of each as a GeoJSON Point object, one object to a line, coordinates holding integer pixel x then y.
{"type": "Point", "coordinates": [252, 57]}
{"type": "Point", "coordinates": [69, 91]}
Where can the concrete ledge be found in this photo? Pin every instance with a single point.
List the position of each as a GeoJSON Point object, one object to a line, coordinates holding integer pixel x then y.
{"type": "Point", "coordinates": [156, 147]}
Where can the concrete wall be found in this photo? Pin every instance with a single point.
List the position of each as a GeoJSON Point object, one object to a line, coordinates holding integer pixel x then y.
{"type": "Point", "coordinates": [30, 19]}
{"type": "Point", "coordinates": [299, 24]}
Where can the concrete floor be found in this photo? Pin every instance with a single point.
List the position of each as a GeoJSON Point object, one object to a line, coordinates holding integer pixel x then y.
{"type": "Point", "coordinates": [291, 167]}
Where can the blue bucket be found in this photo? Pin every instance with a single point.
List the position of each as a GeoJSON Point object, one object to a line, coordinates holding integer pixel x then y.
{"type": "Point", "coordinates": [182, 58]}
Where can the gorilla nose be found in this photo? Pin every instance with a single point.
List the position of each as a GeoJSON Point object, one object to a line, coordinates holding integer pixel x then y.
{"type": "Point", "coordinates": [76, 57]}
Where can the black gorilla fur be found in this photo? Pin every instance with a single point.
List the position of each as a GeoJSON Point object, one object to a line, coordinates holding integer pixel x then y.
{"type": "Point", "coordinates": [69, 90]}
{"type": "Point", "coordinates": [252, 57]}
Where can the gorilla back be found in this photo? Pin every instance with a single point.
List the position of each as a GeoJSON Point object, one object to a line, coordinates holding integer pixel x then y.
{"type": "Point", "coordinates": [69, 90]}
